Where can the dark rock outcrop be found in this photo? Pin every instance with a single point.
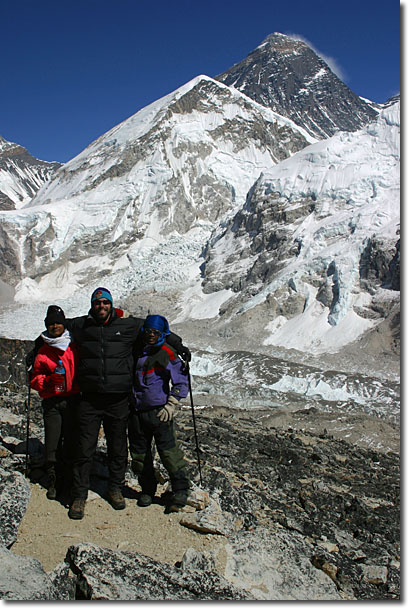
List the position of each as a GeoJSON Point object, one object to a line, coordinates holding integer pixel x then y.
{"type": "Point", "coordinates": [380, 264]}
{"type": "Point", "coordinates": [13, 352]}
{"type": "Point", "coordinates": [332, 493]}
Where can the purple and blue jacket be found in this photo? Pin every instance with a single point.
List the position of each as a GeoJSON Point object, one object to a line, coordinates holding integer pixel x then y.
{"type": "Point", "coordinates": [156, 370]}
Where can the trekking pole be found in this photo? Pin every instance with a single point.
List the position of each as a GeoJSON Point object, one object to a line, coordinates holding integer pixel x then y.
{"type": "Point", "coordinates": [194, 422]}
{"type": "Point", "coordinates": [28, 406]}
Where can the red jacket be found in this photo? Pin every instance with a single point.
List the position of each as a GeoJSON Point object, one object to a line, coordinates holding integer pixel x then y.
{"type": "Point", "coordinates": [44, 365]}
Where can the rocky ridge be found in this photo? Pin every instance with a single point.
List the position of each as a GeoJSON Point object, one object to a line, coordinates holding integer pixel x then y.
{"type": "Point", "coordinates": [302, 515]}
{"type": "Point", "coordinates": [21, 175]}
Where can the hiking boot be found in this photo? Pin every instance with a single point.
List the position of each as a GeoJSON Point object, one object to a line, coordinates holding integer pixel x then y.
{"type": "Point", "coordinates": [77, 509]}
{"type": "Point", "coordinates": [178, 501]}
{"type": "Point", "coordinates": [116, 499]}
{"type": "Point", "coordinates": [51, 492]}
{"type": "Point", "coordinates": [144, 500]}
{"type": "Point", "coordinates": [51, 485]}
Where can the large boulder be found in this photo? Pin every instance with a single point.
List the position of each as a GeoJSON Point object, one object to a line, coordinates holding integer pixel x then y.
{"type": "Point", "coordinates": [14, 497]}
{"type": "Point", "coordinates": [23, 578]}
{"type": "Point", "coordinates": [112, 575]}
{"type": "Point", "coordinates": [276, 566]}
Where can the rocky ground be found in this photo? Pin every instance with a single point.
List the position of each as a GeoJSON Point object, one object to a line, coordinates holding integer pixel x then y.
{"type": "Point", "coordinates": [150, 531]}
{"type": "Point", "coordinates": [289, 509]}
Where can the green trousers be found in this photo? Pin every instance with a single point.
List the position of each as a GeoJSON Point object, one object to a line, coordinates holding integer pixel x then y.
{"type": "Point", "coordinates": [142, 428]}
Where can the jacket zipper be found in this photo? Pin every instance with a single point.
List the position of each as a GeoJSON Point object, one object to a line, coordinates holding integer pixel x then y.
{"type": "Point", "coordinates": [103, 359]}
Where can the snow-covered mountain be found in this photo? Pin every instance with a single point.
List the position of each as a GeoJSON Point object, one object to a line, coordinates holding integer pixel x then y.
{"type": "Point", "coordinates": [158, 182]}
{"type": "Point", "coordinates": [289, 77]}
{"type": "Point", "coordinates": [232, 220]}
{"type": "Point", "coordinates": [315, 249]}
{"type": "Point", "coordinates": [21, 175]}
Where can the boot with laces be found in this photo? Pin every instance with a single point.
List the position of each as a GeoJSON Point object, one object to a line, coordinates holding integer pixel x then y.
{"type": "Point", "coordinates": [77, 509]}
{"type": "Point", "coordinates": [116, 499]}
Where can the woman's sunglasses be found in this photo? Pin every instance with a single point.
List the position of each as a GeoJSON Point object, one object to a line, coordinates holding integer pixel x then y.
{"type": "Point", "coordinates": [152, 331]}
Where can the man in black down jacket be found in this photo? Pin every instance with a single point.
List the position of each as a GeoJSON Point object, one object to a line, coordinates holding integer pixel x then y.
{"type": "Point", "coordinates": [105, 343]}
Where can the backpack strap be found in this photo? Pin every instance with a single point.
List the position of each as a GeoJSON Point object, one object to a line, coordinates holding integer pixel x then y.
{"type": "Point", "coordinates": [160, 358]}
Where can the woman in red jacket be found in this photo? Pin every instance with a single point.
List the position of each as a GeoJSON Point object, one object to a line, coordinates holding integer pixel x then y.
{"type": "Point", "coordinates": [60, 394]}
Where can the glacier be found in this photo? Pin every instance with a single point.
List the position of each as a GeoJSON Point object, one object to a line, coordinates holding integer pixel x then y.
{"type": "Point", "coordinates": [341, 192]}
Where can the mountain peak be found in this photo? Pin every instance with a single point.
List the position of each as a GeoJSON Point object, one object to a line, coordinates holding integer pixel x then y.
{"type": "Point", "coordinates": [288, 76]}
{"type": "Point", "coordinates": [282, 42]}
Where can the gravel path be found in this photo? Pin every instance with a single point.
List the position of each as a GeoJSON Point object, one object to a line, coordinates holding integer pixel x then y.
{"type": "Point", "coordinates": [46, 532]}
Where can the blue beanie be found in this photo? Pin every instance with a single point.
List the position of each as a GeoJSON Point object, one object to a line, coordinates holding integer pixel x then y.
{"type": "Point", "coordinates": [159, 323]}
{"type": "Point", "coordinates": [101, 293]}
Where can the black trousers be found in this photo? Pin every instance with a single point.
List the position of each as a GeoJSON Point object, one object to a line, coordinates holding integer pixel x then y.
{"type": "Point", "coordinates": [142, 428]}
{"type": "Point", "coordinates": [59, 416]}
{"type": "Point", "coordinates": [112, 411]}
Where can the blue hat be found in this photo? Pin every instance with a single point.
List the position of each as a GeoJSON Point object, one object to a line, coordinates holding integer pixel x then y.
{"type": "Point", "coordinates": [101, 293]}
{"type": "Point", "coordinates": [159, 323]}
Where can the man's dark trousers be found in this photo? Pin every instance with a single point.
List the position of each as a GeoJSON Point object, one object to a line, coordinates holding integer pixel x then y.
{"type": "Point", "coordinates": [112, 411]}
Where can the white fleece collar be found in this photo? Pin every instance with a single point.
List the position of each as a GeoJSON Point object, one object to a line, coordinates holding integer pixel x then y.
{"type": "Point", "coordinates": [60, 342]}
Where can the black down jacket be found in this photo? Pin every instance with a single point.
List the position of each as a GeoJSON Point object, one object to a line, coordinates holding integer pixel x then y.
{"type": "Point", "coordinates": [106, 362]}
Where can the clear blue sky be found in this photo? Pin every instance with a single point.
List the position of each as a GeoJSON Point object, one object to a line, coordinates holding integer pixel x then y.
{"type": "Point", "coordinates": [71, 70]}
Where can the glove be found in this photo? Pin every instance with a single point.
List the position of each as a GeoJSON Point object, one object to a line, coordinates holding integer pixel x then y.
{"type": "Point", "coordinates": [54, 380]}
{"type": "Point", "coordinates": [168, 411]}
{"type": "Point", "coordinates": [184, 353]}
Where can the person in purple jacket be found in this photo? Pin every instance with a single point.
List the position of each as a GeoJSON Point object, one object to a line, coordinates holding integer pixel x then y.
{"type": "Point", "coordinates": [159, 383]}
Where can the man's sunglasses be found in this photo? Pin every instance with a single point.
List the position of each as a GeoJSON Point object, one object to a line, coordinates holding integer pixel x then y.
{"type": "Point", "coordinates": [102, 302]}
